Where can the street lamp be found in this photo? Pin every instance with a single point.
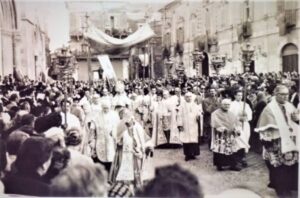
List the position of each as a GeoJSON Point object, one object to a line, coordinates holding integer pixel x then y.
{"type": "Point", "coordinates": [169, 64]}
{"type": "Point", "coordinates": [247, 55]}
{"type": "Point", "coordinates": [198, 57]}
{"type": "Point", "coordinates": [180, 70]}
{"type": "Point", "coordinates": [218, 62]}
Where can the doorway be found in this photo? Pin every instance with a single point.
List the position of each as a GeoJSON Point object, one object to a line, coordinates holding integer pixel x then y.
{"type": "Point", "coordinates": [290, 55]}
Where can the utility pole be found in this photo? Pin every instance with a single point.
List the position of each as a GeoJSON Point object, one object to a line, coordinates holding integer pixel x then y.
{"type": "Point", "coordinates": [88, 58]}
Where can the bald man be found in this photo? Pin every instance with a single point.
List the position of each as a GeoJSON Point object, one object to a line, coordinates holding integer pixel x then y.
{"type": "Point", "coordinates": [225, 130]}
{"type": "Point", "coordinates": [187, 120]}
{"type": "Point", "coordinates": [278, 126]}
{"type": "Point", "coordinates": [106, 134]}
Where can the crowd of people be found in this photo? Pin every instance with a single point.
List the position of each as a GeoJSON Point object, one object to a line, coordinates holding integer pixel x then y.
{"type": "Point", "coordinates": [95, 139]}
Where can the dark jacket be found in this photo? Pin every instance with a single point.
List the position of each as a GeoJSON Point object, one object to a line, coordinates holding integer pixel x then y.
{"type": "Point", "coordinates": [26, 184]}
{"type": "Point", "coordinates": [295, 100]}
{"type": "Point", "coordinates": [257, 111]}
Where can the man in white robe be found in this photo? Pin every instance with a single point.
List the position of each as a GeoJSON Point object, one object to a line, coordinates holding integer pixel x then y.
{"type": "Point", "coordinates": [96, 104]}
{"type": "Point", "coordinates": [158, 112]}
{"type": "Point", "coordinates": [152, 101]}
{"type": "Point", "coordinates": [105, 135]}
{"type": "Point", "coordinates": [121, 97]}
{"type": "Point", "coordinates": [244, 113]}
{"type": "Point", "coordinates": [106, 96]}
{"type": "Point", "coordinates": [188, 117]}
{"type": "Point", "coordinates": [169, 113]}
{"type": "Point", "coordinates": [131, 151]}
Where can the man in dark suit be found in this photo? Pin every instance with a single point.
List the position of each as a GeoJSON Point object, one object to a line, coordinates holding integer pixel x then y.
{"type": "Point", "coordinates": [294, 96]}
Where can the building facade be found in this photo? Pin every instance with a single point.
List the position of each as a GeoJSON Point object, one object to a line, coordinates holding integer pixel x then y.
{"type": "Point", "coordinates": [9, 37]}
{"type": "Point", "coordinates": [222, 28]}
{"type": "Point", "coordinates": [24, 42]}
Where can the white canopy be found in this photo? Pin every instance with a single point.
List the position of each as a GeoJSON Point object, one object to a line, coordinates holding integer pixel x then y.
{"type": "Point", "coordinates": [98, 36]}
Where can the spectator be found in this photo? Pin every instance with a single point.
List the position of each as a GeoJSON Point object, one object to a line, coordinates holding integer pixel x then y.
{"type": "Point", "coordinates": [33, 161]}
{"type": "Point", "coordinates": [81, 181]}
{"type": "Point", "coordinates": [73, 141]}
{"type": "Point", "coordinates": [60, 160]}
{"type": "Point", "coordinates": [294, 95]}
{"type": "Point", "coordinates": [42, 124]}
{"type": "Point", "coordinates": [172, 181]}
{"type": "Point", "coordinates": [14, 142]}
{"type": "Point", "coordinates": [27, 124]}
{"type": "Point", "coordinates": [3, 159]}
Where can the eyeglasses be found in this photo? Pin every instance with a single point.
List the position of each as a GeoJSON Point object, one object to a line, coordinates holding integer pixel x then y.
{"type": "Point", "coordinates": [283, 94]}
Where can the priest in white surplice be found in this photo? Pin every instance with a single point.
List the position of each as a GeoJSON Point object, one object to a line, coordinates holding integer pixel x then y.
{"type": "Point", "coordinates": [169, 114]}
{"type": "Point", "coordinates": [237, 107]}
{"type": "Point", "coordinates": [105, 135]}
{"type": "Point", "coordinates": [188, 117]}
{"type": "Point", "coordinates": [121, 97]}
{"type": "Point", "coordinates": [278, 127]}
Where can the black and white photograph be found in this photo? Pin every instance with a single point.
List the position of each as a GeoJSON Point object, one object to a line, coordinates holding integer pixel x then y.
{"type": "Point", "coordinates": [149, 98]}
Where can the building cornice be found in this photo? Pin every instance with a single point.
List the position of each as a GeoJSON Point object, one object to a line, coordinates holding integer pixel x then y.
{"type": "Point", "coordinates": [170, 5]}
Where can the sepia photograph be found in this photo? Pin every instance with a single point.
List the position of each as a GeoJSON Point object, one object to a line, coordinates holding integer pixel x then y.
{"type": "Point", "coordinates": [149, 98]}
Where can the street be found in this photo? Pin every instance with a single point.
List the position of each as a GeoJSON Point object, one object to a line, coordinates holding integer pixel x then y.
{"type": "Point", "coordinates": [254, 177]}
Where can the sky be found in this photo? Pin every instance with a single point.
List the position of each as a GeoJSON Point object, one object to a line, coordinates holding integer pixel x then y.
{"type": "Point", "coordinates": [58, 25]}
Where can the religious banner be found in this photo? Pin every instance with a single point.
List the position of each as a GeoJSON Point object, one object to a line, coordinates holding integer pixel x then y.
{"type": "Point", "coordinates": [108, 70]}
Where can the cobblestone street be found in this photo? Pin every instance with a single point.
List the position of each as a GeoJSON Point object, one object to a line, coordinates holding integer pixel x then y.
{"type": "Point", "coordinates": [255, 176]}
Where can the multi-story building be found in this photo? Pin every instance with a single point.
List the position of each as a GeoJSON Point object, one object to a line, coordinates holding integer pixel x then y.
{"type": "Point", "coordinates": [223, 27]}
{"type": "Point", "coordinates": [24, 41]}
{"type": "Point", "coordinates": [9, 37]}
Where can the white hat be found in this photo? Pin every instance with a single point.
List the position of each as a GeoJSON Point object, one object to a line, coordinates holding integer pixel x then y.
{"type": "Point", "coordinates": [105, 103]}
{"type": "Point", "coordinates": [188, 94]}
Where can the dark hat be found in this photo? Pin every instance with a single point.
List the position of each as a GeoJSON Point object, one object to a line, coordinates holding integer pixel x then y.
{"type": "Point", "coordinates": [44, 123]}
{"type": "Point", "coordinates": [33, 153]}
{"type": "Point", "coordinates": [73, 137]}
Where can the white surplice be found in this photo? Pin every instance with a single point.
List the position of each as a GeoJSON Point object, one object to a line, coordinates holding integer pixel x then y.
{"type": "Point", "coordinates": [237, 109]}
{"type": "Point", "coordinates": [187, 117]}
{"type": "Point", "coordinates": [106, 135]}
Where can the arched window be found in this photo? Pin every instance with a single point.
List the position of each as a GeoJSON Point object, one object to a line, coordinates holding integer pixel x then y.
{"type": "Point", "coordinates": [289, 55]}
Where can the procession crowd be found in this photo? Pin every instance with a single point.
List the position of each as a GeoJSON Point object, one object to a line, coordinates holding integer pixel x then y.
{"type": "Point", "coordinates": [94, 139]}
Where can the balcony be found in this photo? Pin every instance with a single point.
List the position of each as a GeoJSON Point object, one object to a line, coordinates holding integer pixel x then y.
{"type": "Point", "coordinates": [290, 18]}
